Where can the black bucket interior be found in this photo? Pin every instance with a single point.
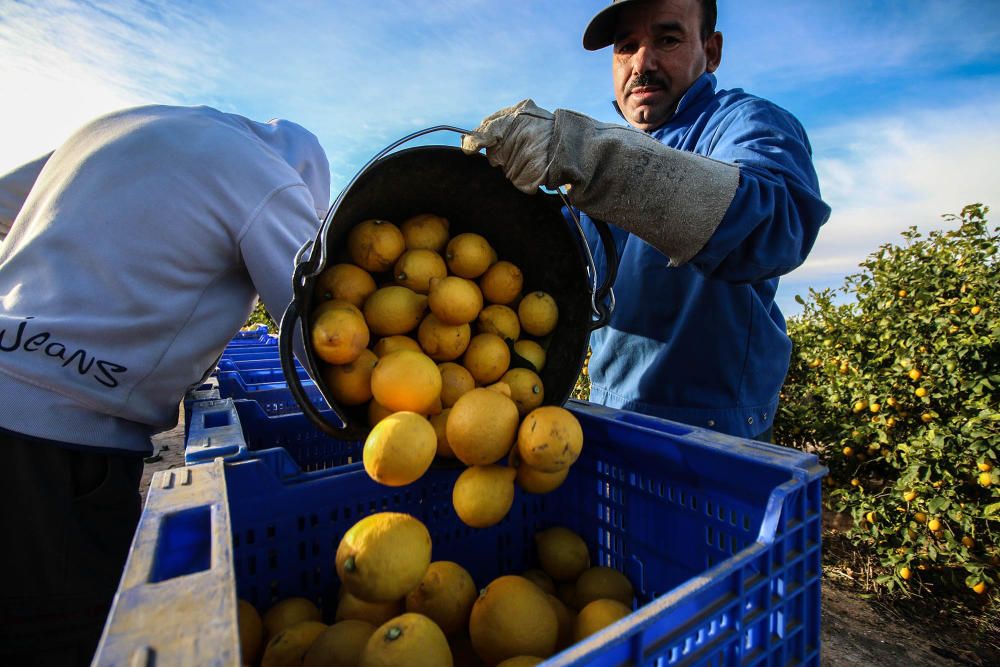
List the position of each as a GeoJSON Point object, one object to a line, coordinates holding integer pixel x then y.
{"type": "Point", "coordinates": [528, 230]}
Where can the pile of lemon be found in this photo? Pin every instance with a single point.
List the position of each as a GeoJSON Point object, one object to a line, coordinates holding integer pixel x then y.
{"type": "Point", "coordinates": [397, 607]}
{"type": "Point", "coordinates": [420, 326]}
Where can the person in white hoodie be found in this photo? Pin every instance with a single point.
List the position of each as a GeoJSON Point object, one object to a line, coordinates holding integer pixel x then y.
{"type": "Point", "coordinates": [135, 251]}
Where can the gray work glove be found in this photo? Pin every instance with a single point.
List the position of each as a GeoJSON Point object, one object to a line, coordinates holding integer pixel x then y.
{"type": "Point", "coordinates": [517, 140]}
{"type": "Point", "coordinates": [674, 200]}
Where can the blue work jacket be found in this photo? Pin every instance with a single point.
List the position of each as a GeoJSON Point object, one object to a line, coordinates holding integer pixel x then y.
{"type": "Point", "coordinates": [705, 343]}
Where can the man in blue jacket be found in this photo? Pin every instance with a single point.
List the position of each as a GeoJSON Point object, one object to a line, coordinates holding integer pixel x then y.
{"type": "Point", "coordinates": [711, 197]}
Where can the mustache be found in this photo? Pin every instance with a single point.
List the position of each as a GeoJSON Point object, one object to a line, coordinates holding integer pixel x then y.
{"type": "Point", "coordinates": [646, 79]}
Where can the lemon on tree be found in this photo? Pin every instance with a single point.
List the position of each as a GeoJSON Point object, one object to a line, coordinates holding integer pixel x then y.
{"type": "Point", "coordinates": [383, 556]}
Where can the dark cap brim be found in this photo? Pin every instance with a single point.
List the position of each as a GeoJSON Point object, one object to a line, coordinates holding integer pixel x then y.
{"type": "Point", "coordinates": [600, 31]}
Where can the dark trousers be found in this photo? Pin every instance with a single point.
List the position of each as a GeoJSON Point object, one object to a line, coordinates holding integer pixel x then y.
{"type": "Point", "coordinates": [67, 518]}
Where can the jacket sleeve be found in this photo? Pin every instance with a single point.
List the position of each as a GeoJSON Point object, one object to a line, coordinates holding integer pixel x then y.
{"type": "Point", "coordinates": [270, 242]}
{"type": "Point", "coordinates": [777, 211]}
{"type": "Point", "coordinates": [14, 189]}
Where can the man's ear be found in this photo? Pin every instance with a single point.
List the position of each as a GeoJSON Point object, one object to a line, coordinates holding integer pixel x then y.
{"type": "Point", "coordinates": [713, 52]}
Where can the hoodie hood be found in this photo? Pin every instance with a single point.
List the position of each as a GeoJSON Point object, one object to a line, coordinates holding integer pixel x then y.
{"type": "Point", "coordinates": [302, 151]}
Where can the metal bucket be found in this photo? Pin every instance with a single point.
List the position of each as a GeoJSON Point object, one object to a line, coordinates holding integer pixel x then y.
{"type": "Point", "coordinates": [528, 230]}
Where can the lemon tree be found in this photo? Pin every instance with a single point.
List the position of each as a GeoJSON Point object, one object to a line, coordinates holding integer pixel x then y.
{"type": "Point", "coordinates": [895, 378]}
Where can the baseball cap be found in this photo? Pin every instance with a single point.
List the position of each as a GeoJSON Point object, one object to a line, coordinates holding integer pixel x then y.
{"type": "Point", "coordinates": [600, 31]}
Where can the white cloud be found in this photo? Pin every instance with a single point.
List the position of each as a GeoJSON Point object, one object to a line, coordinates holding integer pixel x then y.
{"type": "Point", "coordinates": [66, 62]}
{"type": "Point", "coordinates": [885, 173]}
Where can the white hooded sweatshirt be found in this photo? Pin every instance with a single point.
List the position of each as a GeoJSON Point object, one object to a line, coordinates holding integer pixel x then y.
{"type": "Point", "coordinates": [135, 255]}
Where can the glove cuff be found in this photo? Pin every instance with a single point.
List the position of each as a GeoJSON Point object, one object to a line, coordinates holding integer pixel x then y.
{"type": "Point", "coordinates": [672, 199]}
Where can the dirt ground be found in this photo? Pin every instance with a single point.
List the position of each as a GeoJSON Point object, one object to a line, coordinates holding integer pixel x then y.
{"type": "Point", "coordinates": [854, 631]}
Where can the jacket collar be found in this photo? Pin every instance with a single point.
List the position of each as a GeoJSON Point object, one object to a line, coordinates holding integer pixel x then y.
{"type": "Point", "coordinates": [702, 87]}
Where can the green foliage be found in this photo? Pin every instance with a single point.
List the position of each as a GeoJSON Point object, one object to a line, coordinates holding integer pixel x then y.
{"type": "Point", "coordinates": [895, 379]}
{"type": "Point", "coordinates": [260, 316]}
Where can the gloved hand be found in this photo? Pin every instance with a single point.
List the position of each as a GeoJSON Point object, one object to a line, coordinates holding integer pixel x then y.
{"type": "Point", "coordinates": [672, 199]}
{"type": "Point", "coordinates": [517, 140]}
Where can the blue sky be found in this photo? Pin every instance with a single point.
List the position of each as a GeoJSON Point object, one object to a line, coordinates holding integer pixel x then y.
{"type": "Point", "coordinates": [901, 99]}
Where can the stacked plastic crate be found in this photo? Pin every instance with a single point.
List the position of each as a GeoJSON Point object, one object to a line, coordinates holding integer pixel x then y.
{"type": "Point", "coordinates": [720, 536]}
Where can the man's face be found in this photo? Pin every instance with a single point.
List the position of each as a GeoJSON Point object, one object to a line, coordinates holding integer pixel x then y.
{"type": "Point", "coordinates": [658, 54]}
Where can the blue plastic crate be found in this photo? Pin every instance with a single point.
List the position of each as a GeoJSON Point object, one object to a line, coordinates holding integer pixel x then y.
{"type": "Point", "coordinates": [720, 537]}
{"type": "Point", "coordinates": [238, 430]}
{"type": "Point", "coordinates": [233, 384]}
{"type": "Point", "coordinates": [253, 338]}
{"type": "Point", "coordinates": [244, 365]}
{"type": "Point", "coordinates": [255, 352]}
{"type": "Point", "coordinates": [205, 392]}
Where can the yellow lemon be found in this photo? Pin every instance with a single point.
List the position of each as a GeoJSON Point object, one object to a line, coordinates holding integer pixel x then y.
{"type": "Point", "coordinates": [487, 358]}
{"type": "Point", "coordinates": [375, 245]}
{"type": "Point", "coordinates": [344, 282]}
{"type": "Point", "coordinates": [410, 639]}
{"type": "Point", "coordinates": [439, 422]}
{"type": "Point", "coordinates": [512, 617]}
{"type": "Point", "coordinates": [915, 374]}
{"type": "Point", "coordinates": [550, 439]}
{"type": "Point", "coordinates": [502, 283]}
{"type": "Point", "coordinates": [468, 255]}
{"type": "Point", "coordinates": [441, 341]}
{"type": "Point", "coordinates": [984, 466]}
{"type": "Point", "coordinates": [377, 412]}
{"type": "Point", "coordinates": [454, 300]}
{"type": "Point", "coordinates": [405, 380]}
{"type": "Point", "coordinates": [596, 616]}
{"type": "Point", "coordinates": [383, 556]}
{"type": "Point", "coordinates": [483, 495]}
{"type": "Point", "coordinates": [463, 653]}
{"type": "Point", "coordinates": [288, 612]}
{"type": "Point", "coordinates": [566, 618]}
{"type": "Point", "coordinates": [521, 661]}
{"type": "Point", "coordinates": [526, 389]}
{"type": "Point", "coordinates": [351, 383]}
{"type": "Point", "coordinates": [562, 553]}
{"type": "Point", "coordinates": [538, 313]}
{"type": "Point", "coordinates": [979, 588]}
{"type": "Point", "coordinates": [426, 231]}
{"type": "Point", "coordinates": [352, 608]}
{"type": "Point", "coordinates": [400, 449]}
{"type": "Point", "coordinates": [289, 647]}
{"type": "Point", "coordinates": [456, 380]}
{"type": "Point", "coordinates": [499, 320]}
{"type": "Point", "coordinates": [340, 645]}
{"type": "Point", "coordinates": [416, 268]}
{"type": "Point", "coordinates": [905, 573]}
{"type": "Point", "coordinates": [540, 579]}
{"type": "Point", "coordinates": [481, 426]}
{"type": "Point", "coordinates": [251, 630]}
{"type": "Point", "coordinates": [339, 334]}
{"type": "Point", "coordinates": [389, 344]}
{"type": "Point", "coordinates": [445, 595]}
{"type": "Point", "coordinates": [603, 583]}
{"type": "Point", "coordinates": [531, 352]}
{"type": "Point", "coordinates": [394, 310]}
{"type": "Point", "coordinates": [536, 481]}
{"type": "Point", "coordinates": [566, 593]}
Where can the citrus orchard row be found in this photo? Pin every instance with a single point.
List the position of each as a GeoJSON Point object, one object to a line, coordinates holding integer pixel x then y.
{"type": "Point", "coordinates": [895, 378]}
